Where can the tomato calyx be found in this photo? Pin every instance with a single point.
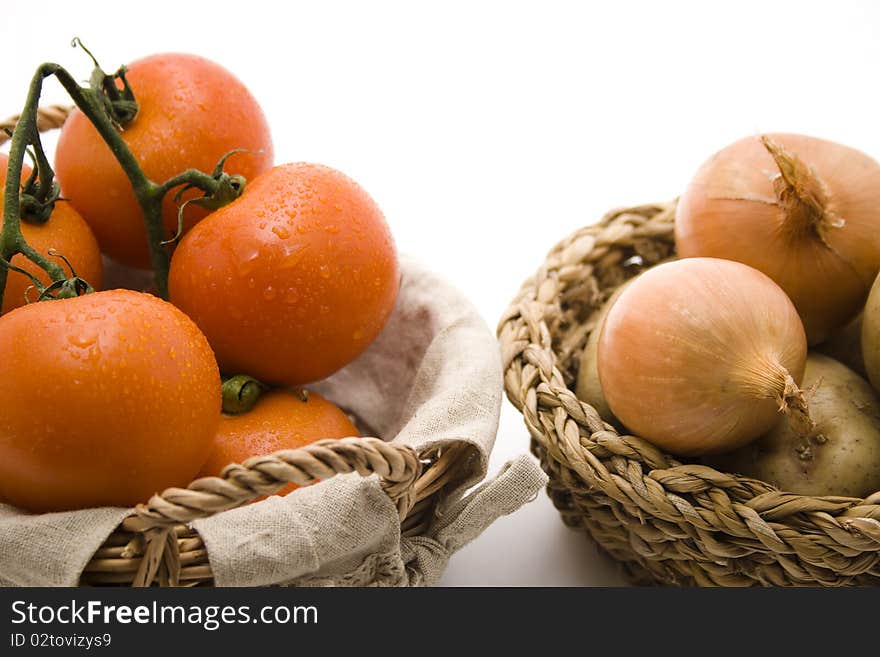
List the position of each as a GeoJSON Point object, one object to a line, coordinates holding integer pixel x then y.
{"type": "Point", "coordinates": [69, 288]}
{"type": "Point", "coordinates": [118, 104]}
{"type": "Point", "coordinates": [64, 288]}
{"type": "Point", "coordinates": [38, 193]}
{"type": "Point", "coordinates": [37, 211]}
{"type": "Point", "coordinates": [240, 393]}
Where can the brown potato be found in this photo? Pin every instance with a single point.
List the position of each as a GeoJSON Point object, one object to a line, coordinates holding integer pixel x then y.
{"type": "Point", "coordinates": [842, 457]}
{"type": "Point", "coordinates": [588, 388]}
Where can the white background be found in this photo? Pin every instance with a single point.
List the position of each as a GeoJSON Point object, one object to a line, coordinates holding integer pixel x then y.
{"type": "Point", "coordinates": [488, 131]}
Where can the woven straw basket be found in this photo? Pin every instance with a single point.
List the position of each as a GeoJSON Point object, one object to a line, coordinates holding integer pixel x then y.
{"type": "Point", "coordinates": [156, 544]}
{"type": "Point", "coordinates": [156, 541]}
{"type": "Point", "coordinates": [665, 521]}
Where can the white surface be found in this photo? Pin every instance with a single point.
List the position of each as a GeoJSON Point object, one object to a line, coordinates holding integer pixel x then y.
{"type": "Point", "coordinates": [490, 130]}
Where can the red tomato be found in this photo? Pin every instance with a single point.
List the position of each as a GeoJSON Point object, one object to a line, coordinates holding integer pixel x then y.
{"type": "Point", "coordinates": [279, 420]}
{"type": "Point", "coordinates": [108, 398]}
{"type": "Point", "coordinates": [292, 280]}
{"type": "Point", "coordinates": [191, 112]}
{"type": "Point", "coordinates": [66, 233]}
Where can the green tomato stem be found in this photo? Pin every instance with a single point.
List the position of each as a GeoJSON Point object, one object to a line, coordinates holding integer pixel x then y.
{"type": "Point", "coordinates": [192, 177]}
{"type": "Point", "coordinates": [12, 241]}
{"type": "Point", "coordinates": [148, 193]}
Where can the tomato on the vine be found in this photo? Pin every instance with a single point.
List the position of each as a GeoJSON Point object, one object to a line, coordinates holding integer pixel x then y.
{"type": "Point", "coordinates": [108, 398]}
{"type": "Point", "coordinates": [191, 113]}
{"type": "Point", "coordinates": [65, 234]}
{"type": "Point", "coordinates": [281, 419]}
{"type": "Point", "coordinates": [292, 280]}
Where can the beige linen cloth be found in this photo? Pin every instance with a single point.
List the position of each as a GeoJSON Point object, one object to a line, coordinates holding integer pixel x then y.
{"type": "Point", "coordinates": [433, 376]}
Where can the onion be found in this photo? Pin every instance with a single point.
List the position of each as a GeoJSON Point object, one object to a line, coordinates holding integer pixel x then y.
{"type": "Point", "coordinates": [702, 355]}
{"type": "Point", "coordinates": [804, 211]}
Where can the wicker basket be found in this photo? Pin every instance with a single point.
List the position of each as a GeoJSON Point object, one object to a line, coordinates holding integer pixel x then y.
{"type": "Point", "coordinates": [665, 521]}
{"type": "Point", "coordinates": [157, 545]}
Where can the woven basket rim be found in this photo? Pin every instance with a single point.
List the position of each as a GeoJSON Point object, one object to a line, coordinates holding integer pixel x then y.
{"type": "Point", "coordinates": [415, 483]}
{"type": "Point", "coordinates": [587, 456]}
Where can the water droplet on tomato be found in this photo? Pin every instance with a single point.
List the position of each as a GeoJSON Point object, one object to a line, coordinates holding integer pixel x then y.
{"type": "Point", "coordinates": [269, 293]}
{"type": "Point", "coordinates": [82, 340]}
{"type": "Point", "coordinates": [244, 256]}
{"type": "Point", "coordinates": [292, 257]}
{"type": "Point", "coordinates": [281, 232]}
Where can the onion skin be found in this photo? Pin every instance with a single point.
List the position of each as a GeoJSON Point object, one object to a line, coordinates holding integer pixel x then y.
{"type": "Point", "coordinates": [701, 356]}
{"type": "Point", "coordinates": [804, 211]}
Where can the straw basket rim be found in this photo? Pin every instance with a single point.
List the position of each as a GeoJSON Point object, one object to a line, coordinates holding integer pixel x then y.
{"type": "Point", "coordinates": [156, 544]}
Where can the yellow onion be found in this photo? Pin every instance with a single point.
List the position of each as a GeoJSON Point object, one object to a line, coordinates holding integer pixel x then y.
{"type": "Point", "coordinates": [804, 211]}
{"type": "Point", "coordinates": [703, 355]}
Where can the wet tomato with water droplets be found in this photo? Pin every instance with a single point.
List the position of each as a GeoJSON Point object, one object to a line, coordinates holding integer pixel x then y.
{"type": "Point", "coordinates": [191, 112]}
{"type": "Point", "coordinates": [291, 281]}
{"type": "Point", "coordinates": [108, 398]}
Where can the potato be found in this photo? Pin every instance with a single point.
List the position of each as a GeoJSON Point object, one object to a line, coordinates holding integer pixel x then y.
{"type": "Point", "coordinates": [871, 335]}
{"type": "Point", "coordinates": [588, 388]}
{"type": "Point", "coordinates": [842, 456]}
{"type": "Point", "coordinates": [845, 346]}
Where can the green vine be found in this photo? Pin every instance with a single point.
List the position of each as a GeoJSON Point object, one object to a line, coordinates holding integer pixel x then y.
{"type": "Point", "coordinates": [109, 108]}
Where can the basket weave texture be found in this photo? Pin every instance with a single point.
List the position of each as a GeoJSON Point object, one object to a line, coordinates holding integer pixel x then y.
{"type": "Point", "coordinates": [665, 521]}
